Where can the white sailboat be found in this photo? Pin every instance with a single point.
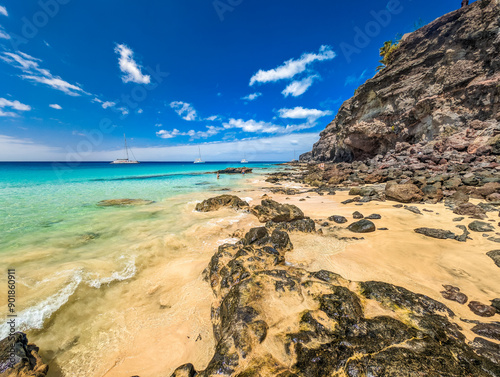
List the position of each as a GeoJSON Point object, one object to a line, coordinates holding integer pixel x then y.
{"type": "Point", "coordinates": [199, 160]}
{"type": "Point", "coordinates": [126, 160]}
{"type": "Point", "coordinates": [244, 161]}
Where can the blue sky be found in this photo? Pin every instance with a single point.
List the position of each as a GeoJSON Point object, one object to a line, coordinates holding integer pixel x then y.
{"type": "Point", "coordinates": [232, 77]}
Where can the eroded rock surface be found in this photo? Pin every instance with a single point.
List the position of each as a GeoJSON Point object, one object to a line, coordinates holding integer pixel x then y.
{"type": "Point", "coordinates": [274, 319]}
{"type": "Point", "coordinates": [18, 358]}
{"type": "Point", "coordinates": [124, 202]}
{"type": "Point", "coordinates": [213, 204]}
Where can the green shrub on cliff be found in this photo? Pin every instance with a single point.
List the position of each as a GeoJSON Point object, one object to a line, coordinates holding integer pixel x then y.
{"type": "Point", "coordinates": [386, 52]}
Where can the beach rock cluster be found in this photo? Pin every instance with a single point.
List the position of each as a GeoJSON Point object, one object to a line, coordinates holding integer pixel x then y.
{"type": "Point", "coordinates": [214, 204]}
{"type": "Point", "coordinates": [435, 103]}
{"type": "Point", "coordinates": [18, 358]}
{"type": "Point", "coordinates": [273, 319]}
{"type": "Point", "coordinates": [235, 171]}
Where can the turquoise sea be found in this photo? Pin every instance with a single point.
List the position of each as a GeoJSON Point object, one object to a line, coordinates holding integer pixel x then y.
{"type": "Point", "coordinates": [76, 263]}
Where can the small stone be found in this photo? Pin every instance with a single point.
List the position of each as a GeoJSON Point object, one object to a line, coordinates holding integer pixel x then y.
{"type": "Point", "coordinates": [357, 215]}
{"type": "Point", "coordinates": [374, 216]}
{"type": "Point", "coordinates": [482, 310]}
{"type": "Point", "coordinates": [338, 219]}
{"type": "Point", "coordinates": [413, 209]}
{"type": "Point", "coordinates": [453, 294]}
{"type": "Point", "coordinates": [458, 219]}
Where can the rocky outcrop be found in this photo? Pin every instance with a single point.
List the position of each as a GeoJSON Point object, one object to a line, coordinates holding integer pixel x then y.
{"type": "Point", "coordinates": [274, 319]}
{"type": "Point", "coordinates": [270, 210]}
{"type": "Point", "coordinates": [213, 204]}
{"type": "Point", "coordinates": [235, 171]}
{"type": "Point", "coordinates": [18, 358]}
{"type": "Point", "coordinates": [441, 89]}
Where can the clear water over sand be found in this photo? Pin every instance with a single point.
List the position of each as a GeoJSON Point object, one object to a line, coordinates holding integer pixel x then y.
{"type": "Point", "coordinates": [90, 279]}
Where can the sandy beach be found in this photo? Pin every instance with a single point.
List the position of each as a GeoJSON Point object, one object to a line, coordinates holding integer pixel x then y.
{"type": "Point", "coordinates": [169, 324]}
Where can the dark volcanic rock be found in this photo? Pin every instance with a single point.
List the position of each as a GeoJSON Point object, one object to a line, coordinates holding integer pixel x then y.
{"type": "Point", "coordinates": [362, 226]}
{"type": "Point", "coordinates": [357, 215]}
{"type": "Point", "coordinates": [454, 294]}
{"type": "Point", "coordinates": [495, 255]}
{"type": "Point", "coordinates": [436, 233]}
{"type": "Point", "coordinates": [471, 210]}
{"type": "Point", "coordinates": [488, 330]}
{"type": "Point", "coordinates": [338, 219]}
{"type": "Point", "coordinates": [413, 209]}
{"type": "Point", "coordinates": [20, 359]}
{"type": "Point", "coordinates": [213, 204]}
{"type": "Point", "coordinates": [406, 193]}
{"type": "Point", "coordinates": [480, 226]}
{"type": "Point", "coordinates": [324, 330]}
{"type": "Point", "coordinates": [487, 349]}
{"type": "Point", "coordinates": [270, 210]}
{"type": "Point", "coordinates": [496, 304]}
{"type": "Point", "coordinates": [303, 225]}
{"type": "Point", "coordinates": [481, 309]}
{"type": "Point", "coordinates": [235, 171]}
{"type": "Point", "coordinates": [186, 370]}
{"type": "Point", "coordinates": [374, 216]}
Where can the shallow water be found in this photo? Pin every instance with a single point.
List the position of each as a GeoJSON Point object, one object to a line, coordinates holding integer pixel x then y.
{"type": "Point", "coordinates": [91, 279]}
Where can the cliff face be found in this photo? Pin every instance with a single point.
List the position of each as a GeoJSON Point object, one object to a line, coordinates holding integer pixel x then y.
{"type": "Point", "coordinates": [442, 77]}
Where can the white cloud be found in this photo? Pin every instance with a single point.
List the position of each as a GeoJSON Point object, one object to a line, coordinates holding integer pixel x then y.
{"type": "Point", "coordinates": [130, 68]}
{"type": "Point", "coordinates": [140, 111]}
{"type": "Point", "coordinates": [292, 67]}
{"type": "Point", "coordinates": [300, 113]}
{"type": "Point", "coordinates": [251, 97]}
{"type": "Point", "coordinates": [168, 134]}
{"type": "Point", "coordinates": [297, 88]}
{"type": "Point", "coordinates": [107, 104]}
{"type": "Point", "coordinates": [211, 131]}
{"type": "Point", "coordinates": [185, 110]}
{"type": "Point", "coordinates": [3, 11]}
{"type": "Point", "coordinates": [213, 117]}
{"type": "Point", "coordinates": [158, 125]}
{"type": "Point", "coordinates": [56, 106]}
{"type": "Point", "coordinates": [13, 105]}
{"type": "Point", "coordinates": [30, 66]}
{"type": "Point", "coordinates": [253, 126]}
{"type": "Point", "coordinates": [3, 33]}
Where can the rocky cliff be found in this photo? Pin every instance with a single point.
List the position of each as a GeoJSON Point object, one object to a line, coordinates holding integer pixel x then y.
{"type": "Point", "coordinates": [441, 79]}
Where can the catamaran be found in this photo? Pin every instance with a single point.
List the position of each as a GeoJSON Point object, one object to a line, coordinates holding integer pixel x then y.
{"type": "Point", "coordinates": [126, 160]}
{"type": "Point", "coordinates": [244, 161]}
{"type": "Point", "coordinates": [199, 160]}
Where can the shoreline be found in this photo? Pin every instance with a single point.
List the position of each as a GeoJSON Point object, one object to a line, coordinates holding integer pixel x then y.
{"type": "Point", "coordinates": [385, 255]}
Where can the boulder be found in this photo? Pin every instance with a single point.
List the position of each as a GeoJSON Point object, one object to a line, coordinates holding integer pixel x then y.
{"type": "Point", "coordinates": [357, 215]}
{"type": "Point", "coordinates": [405, 193]}
{"type": "Point", "coordinates": [495, 255]}
{"type": "Point", "coordinates": [481, 226]}
{"type": "Point", "coordinates": [362, 226]}
{"type": "Point", "coordinates": [471, 210]}
{"type": "Point", "coordinates": [214, 204]}
{"type": "Point", "coordinates": [270, 210]}
{"type": "Point", "coordinates": [482, 310]}
{"type": "Point", "coordinates": [338, 219]}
